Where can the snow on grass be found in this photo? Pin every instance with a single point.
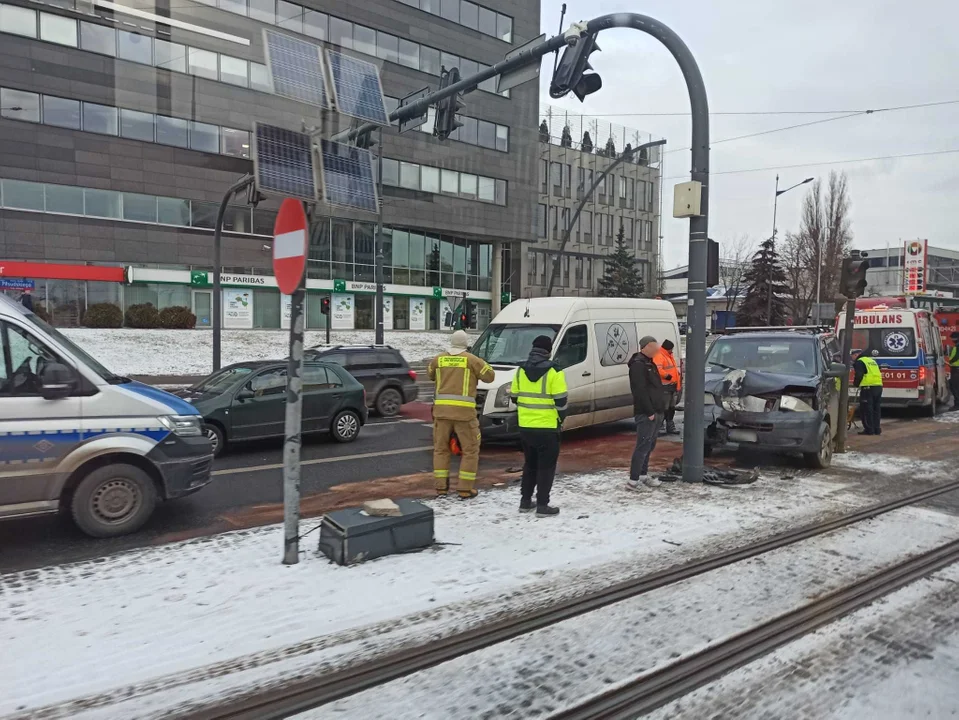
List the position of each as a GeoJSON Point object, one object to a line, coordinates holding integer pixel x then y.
{"type": "Point", "coordinates": [891, 465]}
{"type": "Point", "coordinates": [951, 417]}
{"type": "Point", "coordinates": [129, 351]}
{"type": "Point", "coordinates": [176, 622]}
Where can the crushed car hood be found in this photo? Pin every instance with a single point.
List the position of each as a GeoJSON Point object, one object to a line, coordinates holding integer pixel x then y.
{"type": "Point", "coordinates": [742, 383]}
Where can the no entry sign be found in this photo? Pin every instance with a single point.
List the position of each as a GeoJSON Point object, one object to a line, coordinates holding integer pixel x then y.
{"type": "Point", "coordinates": [289, 246]}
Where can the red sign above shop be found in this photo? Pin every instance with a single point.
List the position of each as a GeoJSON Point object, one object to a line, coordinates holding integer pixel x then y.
{"type": "Point", "coordinates": [56, 271]}
{"type": "Point", "coordinates": [289, 246]}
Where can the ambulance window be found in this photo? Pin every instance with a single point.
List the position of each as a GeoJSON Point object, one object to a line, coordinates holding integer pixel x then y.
{"type": "Point", "coordinates": [573, 347]}
{"type": "Point", "coordinates": [23, 361]}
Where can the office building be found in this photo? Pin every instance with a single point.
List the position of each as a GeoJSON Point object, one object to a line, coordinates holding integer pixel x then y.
{"type": "Point", "coordinates": [122, 124]}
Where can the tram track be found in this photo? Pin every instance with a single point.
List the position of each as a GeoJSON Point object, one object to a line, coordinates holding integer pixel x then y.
{"type": "Point", "coordinates": [308, 693]}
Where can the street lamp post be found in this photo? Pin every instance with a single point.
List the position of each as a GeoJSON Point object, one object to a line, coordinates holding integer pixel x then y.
{"type": "Point", "coordinates": [769, 284]}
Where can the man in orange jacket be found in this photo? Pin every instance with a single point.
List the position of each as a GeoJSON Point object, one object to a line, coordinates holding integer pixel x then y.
{"type": "Point", "coordinates": [671, 376]}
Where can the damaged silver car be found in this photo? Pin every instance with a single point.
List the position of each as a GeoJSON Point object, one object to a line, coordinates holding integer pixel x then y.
{"type": "Point", "coordinates": [774, 390]}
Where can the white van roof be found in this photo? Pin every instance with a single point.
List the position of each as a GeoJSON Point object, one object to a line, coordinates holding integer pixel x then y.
{"type": "Point", "coordinates": [555, 310]}
{"type": "Point", "coordinates": [9, 305]}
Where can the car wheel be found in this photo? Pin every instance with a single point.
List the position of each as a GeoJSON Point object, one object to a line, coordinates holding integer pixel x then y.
{"type": "Point", "coordinates": [388, 402]}
{"type": "Point", "coordinates": [822, 458]}
{"type": "Point", "coordinates": [345, 427]}
{"type": "Point", "coordinates": [217, 439]}
{"type": "Point", "coordinates": [113, 500]}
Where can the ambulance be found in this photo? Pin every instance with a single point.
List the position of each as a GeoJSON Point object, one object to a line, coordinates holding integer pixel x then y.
{"type": "Point", "coordinates": [906, 344]}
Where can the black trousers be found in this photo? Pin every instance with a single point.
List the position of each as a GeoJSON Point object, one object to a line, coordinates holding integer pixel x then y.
{"type": "Point", "coordinates": [671, 404]}
{"type": "Point", "coordinates": [541, 450]}
{"type": "Point", "coordinates": [870, 402]}
{"type": "Point", "coordinates": [954, 386]}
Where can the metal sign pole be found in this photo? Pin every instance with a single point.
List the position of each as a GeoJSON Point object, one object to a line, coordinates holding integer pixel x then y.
{"type": "Point", "coordinates": [844, 380]}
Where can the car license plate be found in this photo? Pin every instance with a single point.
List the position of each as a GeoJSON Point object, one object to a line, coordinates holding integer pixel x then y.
{"type": "Point", "coordinates": [743, 436]}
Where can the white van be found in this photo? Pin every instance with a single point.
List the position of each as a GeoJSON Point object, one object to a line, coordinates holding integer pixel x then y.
{"type": "Point", "coordinates": [75, 436]}
{"type": "Point", "coordinates": [593, 340]}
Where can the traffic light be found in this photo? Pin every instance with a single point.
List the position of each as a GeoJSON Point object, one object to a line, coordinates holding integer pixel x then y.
{"type": "Point", "coordinates": [712, 263]}
{"type": "Point", "coordinates": [446, 109]}
{"type": "Point", "coordinates": [466, 315]}
{"type": "Point", "coordinates": [325, 305]}
{"type": "Point", "coordinates": [571, 74]}
{"type": "Point", "coordinates": [852, 280]}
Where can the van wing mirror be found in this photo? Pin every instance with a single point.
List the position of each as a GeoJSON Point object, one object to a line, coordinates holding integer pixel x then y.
{"type": "Point", "coordinates": [57, 381]}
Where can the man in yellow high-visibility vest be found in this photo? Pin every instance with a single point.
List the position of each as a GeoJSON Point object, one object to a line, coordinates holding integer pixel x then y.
{"type": "Point", "coordinates": [455, 374]}
{"type": "Point", "coordinates": [868, 378]}
{"type": "Point", "coordinates": [952, 360]}
{"type": "Point", "coordinates": [539, 391]}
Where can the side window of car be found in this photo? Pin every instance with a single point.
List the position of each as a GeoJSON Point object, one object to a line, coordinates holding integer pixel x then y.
{"type": "Point", "coordinates": [334, 380]}
{"type": "Point", "coordinates": [573, 347]}
{"type": "Point", "coordinates": [317, 377]}
{"type": "Point", "coordinates": [24, 358]}
{"type": "Point", "coordinates": [269, 383]}
{"type": "Point", "coordinates": [389, 360]}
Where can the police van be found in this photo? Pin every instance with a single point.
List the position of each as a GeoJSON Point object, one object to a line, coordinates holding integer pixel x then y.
{"type": "Point", "coordinates": [76, 437]}
{"type": "Point", "coordinates": [906, 344]}
{"type": "Point", "coordinates": [593, 340]}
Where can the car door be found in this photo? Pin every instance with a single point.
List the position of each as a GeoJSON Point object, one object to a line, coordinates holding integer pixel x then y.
{"type": "Point", "coordinates": [829, 386]}
{"type": "Point", "coordinates": [259, 406]}
{"type": "Point", "coordinates": [322, 397]}
{"type": "Point", "coordinates": [35, 434]}
{"type": "Point", "coordinates": [573, 356]}
{"type": "Point", "coordinates": [365, 367]}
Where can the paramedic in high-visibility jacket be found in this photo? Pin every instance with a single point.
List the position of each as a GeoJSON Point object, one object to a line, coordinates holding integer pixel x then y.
{"type": "Point", "coordinates": [455, 374]}
{"type": "Point", "coordinates": [868, 378]}
{"type": "Point", "coordinates": [539, 391]}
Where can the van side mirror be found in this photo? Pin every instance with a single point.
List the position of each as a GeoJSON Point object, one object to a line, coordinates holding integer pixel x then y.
{"type": "Point", "coordinates": [56, 381]}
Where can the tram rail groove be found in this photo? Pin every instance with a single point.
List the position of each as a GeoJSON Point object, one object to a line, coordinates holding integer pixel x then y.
{"type": "Point", "coordinates": [308, 693]}
{"type": "Point", "coordinates": [682, 677]}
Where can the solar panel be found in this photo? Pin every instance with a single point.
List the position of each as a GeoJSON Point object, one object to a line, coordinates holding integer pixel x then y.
{"type": "Point", "coordinates": [356, 88]}
{"type": "Point", "coordinates": [283, 162]}
{"type": "Point", "coordinates": [296, 68]}
{"type": "Point", "coordinates": [348, 176]}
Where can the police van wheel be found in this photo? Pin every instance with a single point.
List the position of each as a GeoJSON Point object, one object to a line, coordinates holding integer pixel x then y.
{"type": "Point", "coordinates": [113, 500]}
{"type": "Point", "coordinates": [345, 427]}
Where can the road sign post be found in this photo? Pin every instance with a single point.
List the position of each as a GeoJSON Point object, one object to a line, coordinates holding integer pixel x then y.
{"type": "Point", "coordinates": [289, 263]}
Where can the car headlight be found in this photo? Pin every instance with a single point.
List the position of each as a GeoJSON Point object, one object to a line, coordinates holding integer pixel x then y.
{"type": "Point", "coordinates": [182, 425]}
{"type": "Point", "coordinates": [788, 402]}
{"type": "Point", "coordinates": [709, 400]}
{"type": "Point", "coordinates": [502, 397]}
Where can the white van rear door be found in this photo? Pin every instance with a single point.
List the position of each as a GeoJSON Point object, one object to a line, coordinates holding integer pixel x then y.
{"type": "Point", "coordinates": [575, 356]}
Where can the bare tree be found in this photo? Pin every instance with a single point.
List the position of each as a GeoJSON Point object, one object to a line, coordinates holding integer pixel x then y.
{"type": "Point", "coordinates": [824, 236]}
{"type": "Point", "coordinates": [800, 276]}
{"type": "Point", "coordinates": [733, 261]}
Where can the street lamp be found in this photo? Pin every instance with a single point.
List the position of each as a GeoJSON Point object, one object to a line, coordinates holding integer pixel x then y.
{"type": "Point", "coordinates": [769, 298]}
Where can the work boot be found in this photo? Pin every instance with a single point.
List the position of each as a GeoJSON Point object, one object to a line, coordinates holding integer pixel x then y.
{"type": "Point", "coordinates": [525, 506]}
{"type": "Point", "coordinates": [546, 511]}
{"type": "Point", "coordinates": [671, 429]}
{"type": "Point", "coordinates": [468, 494]}
{"type": "Point", "coordinates": [442, 492]}
{"type": "Point", "coordinates": [652, 482]}
{"type": "Point", "coordinates": [639, 484]}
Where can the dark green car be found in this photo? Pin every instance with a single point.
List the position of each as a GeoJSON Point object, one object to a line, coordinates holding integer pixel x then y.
{"type": "Point", "coordinates": [247, 401]}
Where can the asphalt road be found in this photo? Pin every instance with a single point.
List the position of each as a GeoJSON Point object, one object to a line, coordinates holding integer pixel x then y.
{"type": "Point", "coordinates": [244, 478]}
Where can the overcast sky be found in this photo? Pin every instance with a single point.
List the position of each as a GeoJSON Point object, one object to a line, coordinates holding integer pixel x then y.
{"type": "Point", "coordinates": [757, 55]}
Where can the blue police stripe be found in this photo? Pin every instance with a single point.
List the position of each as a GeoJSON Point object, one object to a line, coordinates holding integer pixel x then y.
{"type": "Point", "coordinates": [178, 406]}
{"type": "Point", "coordinates": [21, 447]}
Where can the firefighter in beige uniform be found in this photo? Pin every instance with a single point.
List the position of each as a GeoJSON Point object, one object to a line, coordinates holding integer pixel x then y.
{"type": "Point", "coordinates": [455, 374]}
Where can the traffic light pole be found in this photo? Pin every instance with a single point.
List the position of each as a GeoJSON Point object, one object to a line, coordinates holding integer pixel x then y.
{"type": "Point", "coordinates": [236, 187]}
{"type": "Point", "coordinates": [378, 249]}
{"type": "Point", "coordinates": [694, 434]}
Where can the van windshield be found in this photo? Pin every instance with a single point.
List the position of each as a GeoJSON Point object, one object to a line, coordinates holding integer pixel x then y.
{"type": "Point", "coordinates": [510, 344]}
{"type": "Point", "coordinates": [785, 356]}
{"type": "Point", "coordinates": [898, 342]}
{"type": "Point", "coordinates": [76, 351]}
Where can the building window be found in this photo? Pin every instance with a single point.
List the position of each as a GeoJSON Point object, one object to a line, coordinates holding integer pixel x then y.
{"type": "Point", "coordinates": [289, 16]}
{"type": "Point", "coordinates": [99, 119]}
{"type": "Point", "coordinates": [234, 71]}
{"type": "Point", "coordinates": [18, 21]}
{"type": "Point", "coordinates": [139, 208]}
{"type": "Point", "coordinates": [203, 63]}
{"type": "Point", "coordinates": [136, 48]}
{"type": "Point", "coordinates": [430, 179]}
{"type": "Point", "coordinates": [316, 24]}
{"type": "Point", "coordinates": [205, 138]}
{"type": "Point", "coordinates": [63, 199]}
{"type": "Point", "coordinates": [341, 32]}
{"type": "Point", "coordinates": [98, 38]}
{"type": "Point", "coordinates": [172, 131]}
{"type": "Point", "coordinates": [410, 175]}
{"type": "Point", "coordinates": [19, 105]}
{"type": "Point", "coordinates": [169, 56]}
{"type": "Point", "coordinates": [58, 29]}
{"type": "Point", "coordinates": [263, 10]}
{"type": "Point", "coordinates": [235, 142]}
{"type": "Point", "coordinates": [234, 6]}
{"type": "Point", "coordinates": [101, 203]}
{"type": "Point", "coordinates": [531, 274]}
{"type": "Point", "coordinates": [137, 125]}
{"type": "Point", "coordinates": [391, 172]}
{"type": "Point", "coordinates": [61, 112]}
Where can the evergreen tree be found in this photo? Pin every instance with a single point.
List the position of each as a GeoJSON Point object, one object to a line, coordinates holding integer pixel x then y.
{"type": "Point", "coordinates": [628, 152]}
{"type": "Point", "coordinates": [621, 277]}
{"type": "Point", "coordinates": [765, 273]}
{"type": "Point", "coordinates": [567, 139]}
{"type": "Point", "coordinates": [543, 132]}
{"type": "Point", "coordinates": [610, 147]}
{"type": "Point", "coordinates": [587, 142]}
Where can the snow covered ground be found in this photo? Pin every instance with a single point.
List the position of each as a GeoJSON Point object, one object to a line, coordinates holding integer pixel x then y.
{"type": "Point", "coordinates": [137, 634]}
{"type": "Point", "coordinates": [128, 351]}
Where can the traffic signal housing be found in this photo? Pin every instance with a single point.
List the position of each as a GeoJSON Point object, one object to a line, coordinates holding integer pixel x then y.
{"type": "Point", "coordinates": [446, 109]}
{"type": "Point", "coordinates": [466, 315]}
{"type": "Point", "coordinates": [852, 280]}
{"type": "Point", "coordinates": [325, 305]}
{"type": "Point", "coordinates": [571, 73]}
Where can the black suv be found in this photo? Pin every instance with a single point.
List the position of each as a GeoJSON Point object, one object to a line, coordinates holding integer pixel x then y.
{"type": "Point", "coordinates": [775, 390]}
{"type": "Point", "coordinates": [381, 369]}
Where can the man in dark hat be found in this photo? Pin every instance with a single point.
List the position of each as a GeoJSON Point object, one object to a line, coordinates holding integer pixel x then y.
{"type": "Point", "coordinates": [539, 391]}
{"type": "Point", "coordinates": [952, 359]}
{"type": "Point", "coordinates": [649, 405]}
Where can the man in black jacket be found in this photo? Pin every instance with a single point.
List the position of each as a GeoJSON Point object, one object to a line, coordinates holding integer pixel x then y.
{"type": "Point", "coordinates": [649, 404]}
